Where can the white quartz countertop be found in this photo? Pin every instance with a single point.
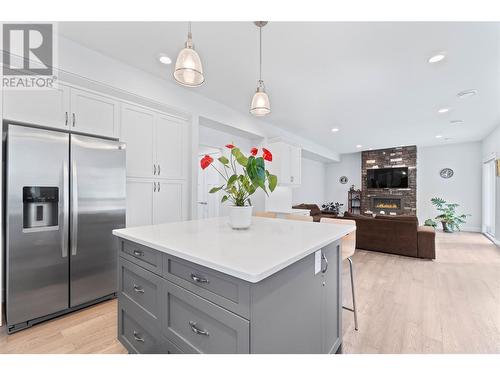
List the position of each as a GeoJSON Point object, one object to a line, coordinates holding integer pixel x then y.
{"type": "Point", "coordinates": [267, 247]}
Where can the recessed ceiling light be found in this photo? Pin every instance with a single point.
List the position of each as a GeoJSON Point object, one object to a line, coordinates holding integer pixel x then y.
{"type": "Point", "coordinates": [439, 136]}
{"type": "Point", "coordinates": [437, 58]}
{"type": "Point", "coordinates": [443, 110]}
{"type": "Point", "coordinates": [467, 93]}
{"type": "Point", "coordinates": [334, 130]}
{"type": "Point", "coordinates": [456, 122]}
{"type": "Point", "coordinates": [164, 59]}
{"type": "Point", "coordinates": [359, 146]}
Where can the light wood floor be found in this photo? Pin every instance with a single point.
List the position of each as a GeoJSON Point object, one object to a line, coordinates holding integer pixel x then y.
{"type": "Point", "coordinates": [406, 305]}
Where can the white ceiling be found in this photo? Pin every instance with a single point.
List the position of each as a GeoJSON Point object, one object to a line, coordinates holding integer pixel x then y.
{"type": "Point", "coordinates": [371, 80]}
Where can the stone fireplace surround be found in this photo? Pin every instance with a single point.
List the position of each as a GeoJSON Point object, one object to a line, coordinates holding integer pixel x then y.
{"type": "Point", "coordinates": [388, 158]}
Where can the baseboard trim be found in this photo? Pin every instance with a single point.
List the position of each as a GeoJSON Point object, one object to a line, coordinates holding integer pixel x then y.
{"type": "Point", "coordinates": [471, 229]}
{"type": "Point", "coordinates": [492, 239]}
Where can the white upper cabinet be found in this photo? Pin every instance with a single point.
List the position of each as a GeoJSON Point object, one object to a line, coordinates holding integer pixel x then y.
{"type": "Point", "coordinates": [94, 114]}
{"type": "Point", "coordinates": [286, 164]}
{"type": "Point", "coordinates": [171, 137]}
{"type": "Point", "coordinates": [64, 107]}
{"type": "Point", "coordinates": [137, 131]}
{"type": "Point", "coordinates": [156, 143]}
{"type": "Point", "coordinates": [49, 108]}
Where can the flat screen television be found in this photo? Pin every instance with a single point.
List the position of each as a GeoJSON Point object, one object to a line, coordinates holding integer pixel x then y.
{"type": "Point", "coordinates": [382, 178]}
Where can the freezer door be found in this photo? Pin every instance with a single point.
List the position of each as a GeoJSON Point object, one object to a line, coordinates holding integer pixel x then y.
{"type": "Point", "coordinates": [97, 176]}
{"type": "Point", "coordinates": [37, 199]}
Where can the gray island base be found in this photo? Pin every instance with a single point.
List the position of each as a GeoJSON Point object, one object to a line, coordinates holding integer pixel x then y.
{"type": "Point", "coordinates": [178, 290]}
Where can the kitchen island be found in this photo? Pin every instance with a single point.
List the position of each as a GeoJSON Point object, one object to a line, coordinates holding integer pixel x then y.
{"type": "Point", "coordinates": [201, 287]}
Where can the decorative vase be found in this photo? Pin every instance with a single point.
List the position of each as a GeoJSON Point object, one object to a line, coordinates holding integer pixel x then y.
{"type": "Point", "coordinates": [446, 227]}
{"type": "Point", "coordinates": [240, 217]}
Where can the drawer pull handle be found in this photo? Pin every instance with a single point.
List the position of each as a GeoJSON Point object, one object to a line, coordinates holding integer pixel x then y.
{"type": "Point", "coordinates": [138, 289]}
{"type": "Point", "coordinates": [138, 253]}
{"type": "Point", "coordinates": [197, 330]}
{"type": "Point", "coordinates": [137, 337]}
{"type": "Point", "coordinates": [199, 279]}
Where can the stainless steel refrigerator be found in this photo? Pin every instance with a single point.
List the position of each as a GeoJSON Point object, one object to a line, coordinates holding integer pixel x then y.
{"type": "Point", "coordinates": [65, 193]}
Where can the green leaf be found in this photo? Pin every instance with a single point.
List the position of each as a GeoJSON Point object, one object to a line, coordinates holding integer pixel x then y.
{"type": "Point", "coordinates": [273, 181]}
{"type": "Point", "coordinates": [223, 160]}
{"type": "Point", "coordinates": [224, 198]}
{"type": "Point", "coordinates": [232, 180]}
{"type": "Point", "coordinates": [215, 189]}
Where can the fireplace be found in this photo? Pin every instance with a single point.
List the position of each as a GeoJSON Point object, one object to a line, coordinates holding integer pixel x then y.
{"type": "Point", "coordinates": [388, 204]}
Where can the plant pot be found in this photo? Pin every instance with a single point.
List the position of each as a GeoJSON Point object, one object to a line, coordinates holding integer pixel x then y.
{"type": "Point", "coordinates": [446, 227]}
{"type": "Point", "coordinates": [240, 217]}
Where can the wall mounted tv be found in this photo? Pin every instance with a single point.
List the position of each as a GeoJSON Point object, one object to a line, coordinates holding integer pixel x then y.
{"type": "Point", "coordinates": [383, 178]}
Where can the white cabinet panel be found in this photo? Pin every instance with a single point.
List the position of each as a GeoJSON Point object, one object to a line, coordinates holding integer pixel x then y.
{"type": "Point", "coordinates": [295, 165]}
{"type": "Point", "coordinates": [137, 129]}
{"type": "Point", "coordinates": [93, 113]}
{"type": "Point", "coordinates": [41, 107]}
{"type": "Point", "coordinates": [139, 202]}
{"type": "Point", "coordinates": [171, 137]}
{"type": "Point", "coordinates": [286, 164]}
{"type": "Point", "coordinates": [170, 202]}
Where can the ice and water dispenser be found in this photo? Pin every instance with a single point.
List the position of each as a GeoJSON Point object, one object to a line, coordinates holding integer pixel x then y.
{"type": "Point", "coordinates": [40, 207]}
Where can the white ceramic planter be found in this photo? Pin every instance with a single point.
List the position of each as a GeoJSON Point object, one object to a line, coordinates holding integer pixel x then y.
{"type": "Point", "coordinates": [240, 217]}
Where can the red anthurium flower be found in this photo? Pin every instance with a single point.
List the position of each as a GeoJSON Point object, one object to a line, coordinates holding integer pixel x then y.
{"type": "Point", "coordinates": [254, 151]}
{"type": "Point", "coordinates": [267, 154]}
{"type": "Point", "coordinates": [206, 161]}
{"type": "Point", "coordinates": [230, 146]}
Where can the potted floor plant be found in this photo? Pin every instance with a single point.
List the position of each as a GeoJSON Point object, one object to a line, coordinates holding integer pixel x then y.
{"type": "Point", "coordinates": [242, 177]}
{"type": "Point", "coordinates": [448, 217]}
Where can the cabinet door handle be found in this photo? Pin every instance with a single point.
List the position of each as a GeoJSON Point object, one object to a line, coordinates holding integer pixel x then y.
{"type": "Point", "coordinates": [138, 253]}
{"type": "Point", "coordinates": [158, 187]}
{"type": "Point", "coordinates": [138, 289]}
{"type": "Point", "coordinates": [197, 330]}
{"type": "Point", "coordinates": [137, 337]}
{"type": "Point", "coordinates": [323, 256]}
{"type": "Point", "coordinates": [67, 118]}
{"type": "Point", "coordinates": [74, 119]}
{"type": "Point", "coordinates": [199, 279]}
{"type": "Point", "coordinates": [154, 169]}
{"type": "Point", "coordinates": [159, 170]}
{"type": "Point", "coordinates": [291, 178]}
{"type": "Point", "coordinates": [154, 187]}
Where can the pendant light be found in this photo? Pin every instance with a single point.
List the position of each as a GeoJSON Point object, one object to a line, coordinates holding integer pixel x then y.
{"type": "Point", "coordinates": [188, 70]}
{"type": "Point", "coordinates": [260, 105]}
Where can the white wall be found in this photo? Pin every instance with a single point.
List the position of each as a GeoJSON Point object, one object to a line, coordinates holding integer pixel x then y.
{"type": "Point", "coordinates": [313, 186]}
{"type": "Point", "coordinates": [349, 166]}
{"type": "Point", "coordinates": [490, 146]}
{"type": "Point", "coordinates": [464, 188]}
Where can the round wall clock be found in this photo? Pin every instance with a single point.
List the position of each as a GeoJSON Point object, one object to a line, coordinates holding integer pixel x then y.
{"type": "Point", "coordinates": [446, 173]}
{"type": "Point", "coordinates": [343, 180]}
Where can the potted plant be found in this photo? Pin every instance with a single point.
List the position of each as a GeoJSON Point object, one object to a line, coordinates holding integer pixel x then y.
{"type": "Point", "coordinates": [243, 176]}
{"type": "Point", "coordinates": [449, 219]}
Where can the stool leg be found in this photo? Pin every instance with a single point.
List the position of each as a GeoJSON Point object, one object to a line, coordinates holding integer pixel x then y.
{"type": "Point", "coordinates": [355, 311]}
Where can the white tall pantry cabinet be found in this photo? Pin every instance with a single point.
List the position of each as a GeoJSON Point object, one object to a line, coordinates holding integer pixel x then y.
{"type": "Point", "coordinates": [157, 165]}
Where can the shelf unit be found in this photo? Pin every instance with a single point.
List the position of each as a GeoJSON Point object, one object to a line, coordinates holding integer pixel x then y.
{"type": "Point", "coordinates": [354, 201]}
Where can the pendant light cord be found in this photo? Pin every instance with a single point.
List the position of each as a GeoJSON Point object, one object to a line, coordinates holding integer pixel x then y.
{"type": "Point", "coordinates": [260, 54]}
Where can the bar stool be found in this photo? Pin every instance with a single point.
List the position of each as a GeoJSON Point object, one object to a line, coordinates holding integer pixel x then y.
{"type": "Point", "coordinates": [348, 250]}
{"type": "Point", "coordinates": [268, 214]}
{"type": "Point", "coordinates": [299, 217]}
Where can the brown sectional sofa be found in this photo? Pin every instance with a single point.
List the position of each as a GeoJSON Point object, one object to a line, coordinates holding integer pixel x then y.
{"type": "Point", "coordinates": [388, 234]}
{"type": "Point", "coordinates": [395, 235]}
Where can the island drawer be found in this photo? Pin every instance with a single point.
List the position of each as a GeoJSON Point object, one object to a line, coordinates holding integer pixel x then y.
{"type": "Point", "coordinates": [226, 291]}
{"type": "Point", "coordinates": [196, 325]}
{"type": "Point", "coordinates": [143, 256]}
{"type": "Point", "coordinates": [138, 332]}
{"type": "Point", "coordinates": [140, 286]}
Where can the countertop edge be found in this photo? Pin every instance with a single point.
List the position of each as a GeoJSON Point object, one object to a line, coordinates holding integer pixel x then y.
{"type": "Point", "coordinates": [252, 278]}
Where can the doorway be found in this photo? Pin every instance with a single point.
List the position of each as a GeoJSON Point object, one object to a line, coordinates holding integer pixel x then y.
{"type": "Point", "coordinates": [208, 204]}
{"type": "Point", "coordinates": [489, 198]}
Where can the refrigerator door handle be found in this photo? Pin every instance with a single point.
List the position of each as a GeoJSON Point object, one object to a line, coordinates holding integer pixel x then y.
{"type": "Point", "coordinates": [74, 209]}
{"type": "Point", "coordinates": [65, 197]}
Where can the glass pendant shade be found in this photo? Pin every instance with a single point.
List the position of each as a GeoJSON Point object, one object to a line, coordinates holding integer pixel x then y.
{"type": "Point", "coordinates": [260, 102]}
{"type": "Point", "coordinates": [188, 69]}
